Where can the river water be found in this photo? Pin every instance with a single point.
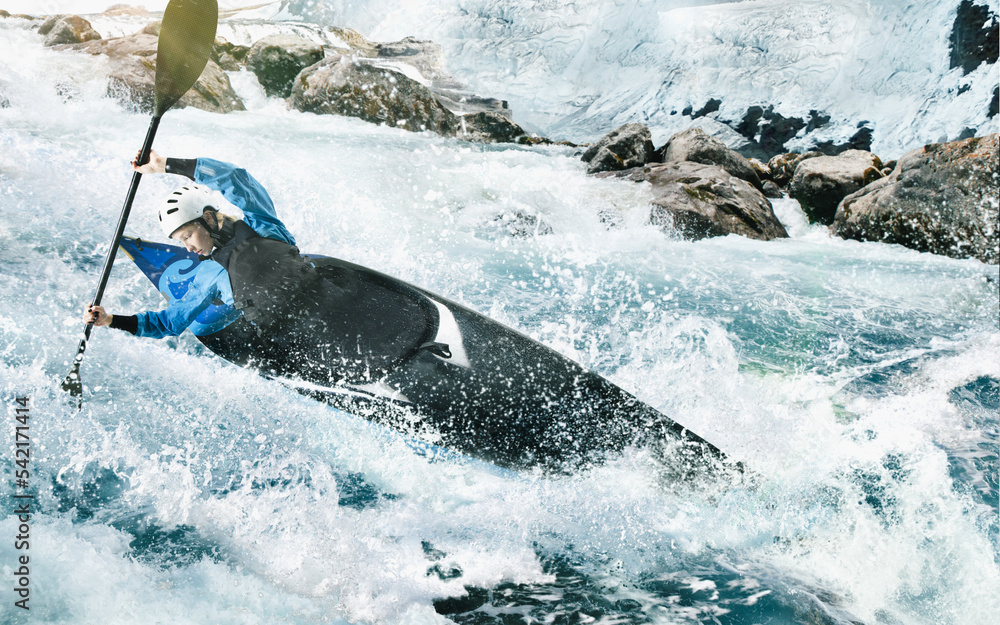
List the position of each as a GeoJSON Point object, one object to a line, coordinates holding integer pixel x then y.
{"type": "Point", "coordinates": [858, 381]}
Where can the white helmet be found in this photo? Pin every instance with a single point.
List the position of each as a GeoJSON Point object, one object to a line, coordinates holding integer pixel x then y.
{"type": "Point", "coordinates": [184, 205]}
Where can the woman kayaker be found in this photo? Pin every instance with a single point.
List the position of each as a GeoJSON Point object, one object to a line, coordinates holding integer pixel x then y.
{"type": "Point", "coordinates": [328, 327]}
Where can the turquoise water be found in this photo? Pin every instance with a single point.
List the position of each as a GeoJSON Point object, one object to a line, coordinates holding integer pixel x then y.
{"type": "Point", "coordinates": [859, 381]}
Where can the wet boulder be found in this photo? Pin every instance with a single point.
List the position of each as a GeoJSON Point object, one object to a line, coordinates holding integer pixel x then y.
{"type": "Point", "coordinates": [132, 76]}
{"type": "Point", "coordinates": [760, 168]}
{"type": "Point", "coordinates": [695, 146]}
{"type": "Point", "coordinates": [489, 127]}
{"type": "Point", "coordinates": [782, 166]}
{"type": "Point", "coordinates": [820, 183]}
{"type": "Point", "coordinates": [49, 23]}
{"type": "Point", "coordinates": [517, 223]}
{"type": "Point", "coordinates": [699, 201]}
{"type": "Point", "coordinates": [68, 29]}
{"type": "Point", "coordinates": [625, 147]}
{"type": "Point", "coordinates": [941, 198]}
{"type": "Point", "coordinates": [132, 81]}
{"type": "Point", "coordinates": [231, 57]}
{"type": "Point", "coordinates": [20, 16]}
{"type": "Point", "coordinates": [152, 28]}
{"type": "Point", "coordinates": [426, 57]}
{"type": "Point", "coordinates": [342, 85]}
{"type": "Point", "coordinates": [772, 190]}
{"type": "Point", "coordinates": [278, 59]}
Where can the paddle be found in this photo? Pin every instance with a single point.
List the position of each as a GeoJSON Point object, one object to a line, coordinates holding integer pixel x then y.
{"type": "Point", "coordinates": [187, 35]}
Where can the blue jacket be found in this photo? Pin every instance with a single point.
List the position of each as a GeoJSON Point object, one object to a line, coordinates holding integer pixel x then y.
{"type": "Point", "coordinates": [211, 280]}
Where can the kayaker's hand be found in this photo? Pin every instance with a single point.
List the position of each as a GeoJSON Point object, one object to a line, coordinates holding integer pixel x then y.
{"type": "Point", "coordinates": [157, 164]}
{"type": "Point", "coordinates": [97, 316]}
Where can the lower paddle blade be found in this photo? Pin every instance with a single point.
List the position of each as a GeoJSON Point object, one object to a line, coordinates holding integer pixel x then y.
{"type": "Point", "coordinates": [187, 35]}
{"type": "Point", "coordinates": [72, 384]}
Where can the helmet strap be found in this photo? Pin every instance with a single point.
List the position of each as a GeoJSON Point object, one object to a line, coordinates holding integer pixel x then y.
{"type": "Point", "coordinates": [216, 232]}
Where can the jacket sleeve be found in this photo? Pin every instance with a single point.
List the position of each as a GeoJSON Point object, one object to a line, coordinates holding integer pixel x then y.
{"type": "Point", "coordinates": [244, 192]}
{"type": "Point", "coordinates": [181, 313]}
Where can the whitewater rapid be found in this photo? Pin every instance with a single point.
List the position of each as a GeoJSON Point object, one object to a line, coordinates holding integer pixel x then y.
{"type": "Point", "coordinates": [859, 380]}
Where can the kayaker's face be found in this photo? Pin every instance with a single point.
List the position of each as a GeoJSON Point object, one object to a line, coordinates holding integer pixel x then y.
{"type": "Point", "coordinates": [195, 238]}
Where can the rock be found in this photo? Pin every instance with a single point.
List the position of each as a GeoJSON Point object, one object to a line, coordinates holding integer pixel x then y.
{"type": "Point", "coordinates": [763, 132]}
{"type": "Point", "coordinates": [860, 140]}
{"type": "Point", "coordinates": [768, 131]}
{"type": "Point", "coordinates": [357, 42]}
{"type": "Point", "coordinates": [70, 29]}
{"type": "Point", "coordinates": [820, 183]}
{"type": "Point", "coordinates": [941, 198]}
{"type": "Point", "coordinates": [697, 147]}
{"type": "Point", "coordinates": [628, 146]}
{"type": "Point", "coordinates": [4, 13]}
{"type": "Point", "coordinates": [49, 23]}
{"type": "Point", "coordinates": [125, 9]}
{"type": "Point", "coordinates": [132, 81]}
{"type": "Point", "coordinates": [340, 85]}
{"type": "Point", "coordinates": [278, 59]}
{"type": "Point", "coordinates": [536, 140]}
{"type": "Point", "coordinates": [422, 61]}
{"type": "Point", "coordinates": [518, 224]}
{"type": "Point", "coordinates": [710, 107]}
{"type": "Point", "coordinates": [772, 190]}
{"type": "Point", "coordinates": [782, 166]}
{"type": "Point", "coordinates": [229, 56]}
{"type": "Point", "coordinates": [490, 128]}
{"type": "Point", "coordinates": [761, 169]}
{"type": "Point", "coordinates": [426, 56]}
{"type": "Point", "coordinates": [152, 28]}
{"type": "Point", "coordinates": [133, 72]}
{"type": "Point", "coordinates": [118, 48]}
{"type": "Point", "coordinates": [700, 200]}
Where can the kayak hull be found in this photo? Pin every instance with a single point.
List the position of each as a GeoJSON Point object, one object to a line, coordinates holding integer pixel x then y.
{"type": "Point", "coordinates": [472, 385]}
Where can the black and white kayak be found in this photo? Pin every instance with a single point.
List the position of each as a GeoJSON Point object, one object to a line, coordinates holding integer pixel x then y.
{"type": "Point", "coordinates": [442, 373]}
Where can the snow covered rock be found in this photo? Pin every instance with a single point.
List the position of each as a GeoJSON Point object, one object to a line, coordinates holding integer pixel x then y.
{"type": "Point", "coordinates": [132, 76]}
{"type": "Point", "coordinates": [625, 147]}
{"type": "Point", "coordinates": [68, 29]}
{"type": "Point", "coordinates": [697, 147]}
{"type": "Point", "coordinates": [278, 59]}
{"type": "Point", "coordinates": [340, 85]}
{"type": "Point", "coordinates": [942, 198]}
{"type": "Point", "coordinates": [820, 183]}
{"type": "Point", "coordinates": [975, 36]}
{"type": "Point", "coordinates": [699, 201]}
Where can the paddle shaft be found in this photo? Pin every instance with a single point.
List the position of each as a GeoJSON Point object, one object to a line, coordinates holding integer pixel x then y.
{"type": "Point", "coordinates": [187, 34]}
{"type": "Point", "coordinates": [126, 210]}
{"type": "Point", "coordinates": [72, 380]}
